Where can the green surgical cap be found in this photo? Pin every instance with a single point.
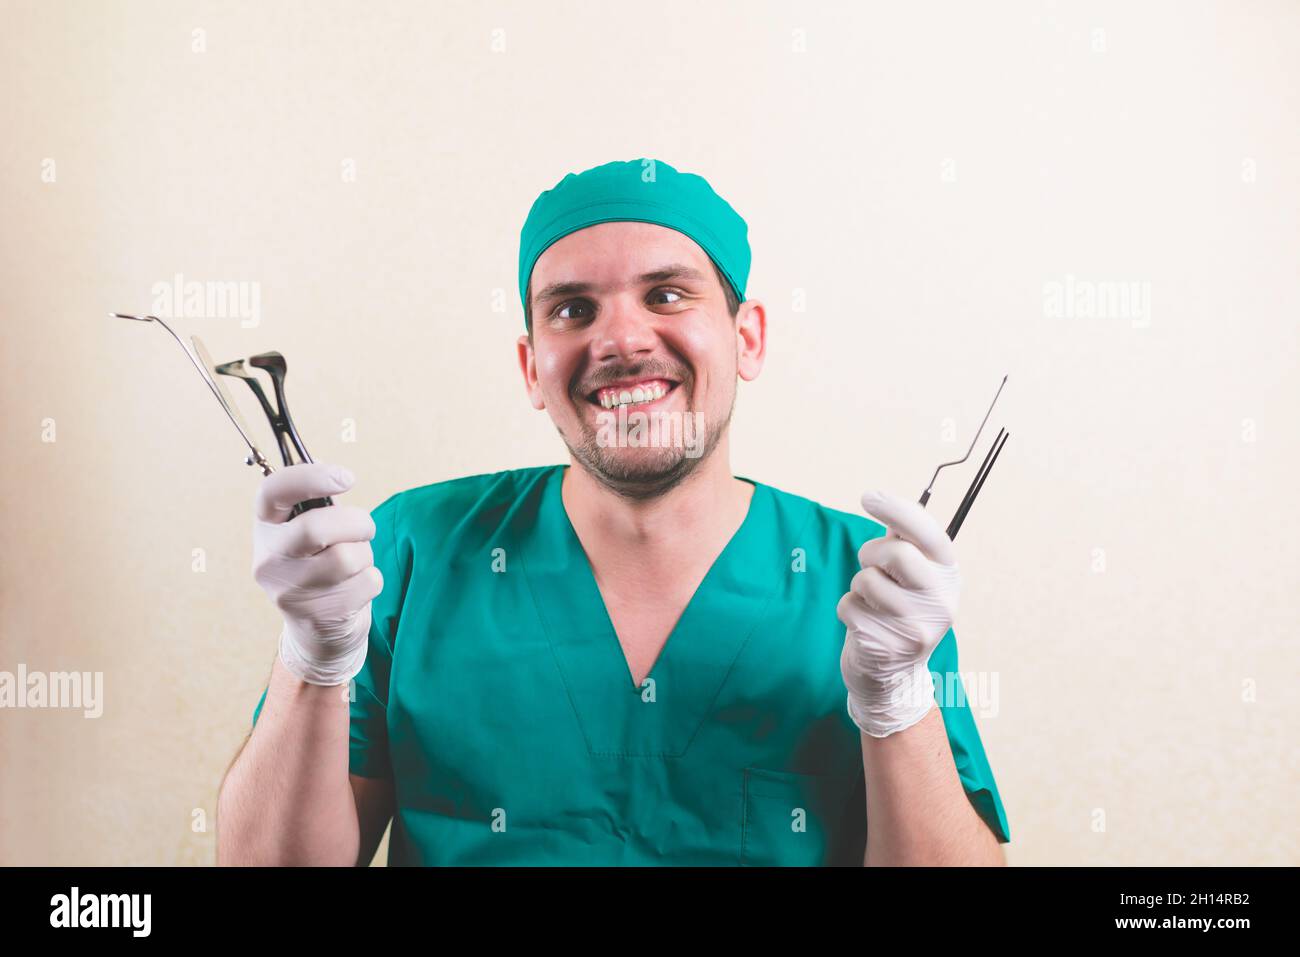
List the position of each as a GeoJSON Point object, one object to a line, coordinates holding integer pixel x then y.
{"type": "Point", "coordinates": [642, 190]}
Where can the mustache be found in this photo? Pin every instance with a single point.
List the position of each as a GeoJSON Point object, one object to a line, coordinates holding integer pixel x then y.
{"type": "Point", "coordinates": [642, 370]}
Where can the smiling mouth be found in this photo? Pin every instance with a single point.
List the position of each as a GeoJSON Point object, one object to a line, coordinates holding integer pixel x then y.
{"type": "Point", "coordinates": [631, 394]}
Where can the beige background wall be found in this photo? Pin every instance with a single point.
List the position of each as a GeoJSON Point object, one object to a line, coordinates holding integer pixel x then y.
{"type": "Point", "coordinates": [914, 177]}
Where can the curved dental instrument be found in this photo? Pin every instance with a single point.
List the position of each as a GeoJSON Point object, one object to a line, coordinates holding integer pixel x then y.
{"type": "Point", "coordinates": [281, 424]}
{"type": "Point", "coordinates": [255, 457]}
{"type": "Point", "coordinates": [925, 496]}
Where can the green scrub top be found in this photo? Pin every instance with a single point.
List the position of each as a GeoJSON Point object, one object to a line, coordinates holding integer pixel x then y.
{"type": "Point", "coordinates": [496, 695]}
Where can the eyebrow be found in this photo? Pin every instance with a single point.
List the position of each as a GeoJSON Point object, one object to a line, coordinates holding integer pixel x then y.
{"type": "Point", "coordinates": [559, 290]}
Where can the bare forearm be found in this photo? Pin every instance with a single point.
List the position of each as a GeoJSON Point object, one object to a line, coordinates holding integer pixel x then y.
{"type": "Point", "coordinates": [286, 799]}
{"type": "Point", "coordinates": [917, 811]}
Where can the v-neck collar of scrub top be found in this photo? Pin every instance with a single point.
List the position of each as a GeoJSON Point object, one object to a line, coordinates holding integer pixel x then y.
{"type": "Point", "coordinates": [661, 718]}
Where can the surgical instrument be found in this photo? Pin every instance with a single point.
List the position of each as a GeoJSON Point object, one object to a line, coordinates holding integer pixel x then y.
{"type": "Point", "coordinates": [978, 482]}
{"type": "Point", "coordinates": [203, 363]}
{"type": "Point", "coordinates": [281, 422]}
{"type": "Point", "coordinates": [255, 457]}
{"type": "Point", "coordinates": [925, 496]}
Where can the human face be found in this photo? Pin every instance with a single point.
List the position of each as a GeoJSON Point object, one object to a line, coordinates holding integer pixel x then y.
{"type": "Point", "coordinates": [626, 305]}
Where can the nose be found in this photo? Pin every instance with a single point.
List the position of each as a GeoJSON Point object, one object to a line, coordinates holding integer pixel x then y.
{"type": "Point", "coordinates": [625, 331]}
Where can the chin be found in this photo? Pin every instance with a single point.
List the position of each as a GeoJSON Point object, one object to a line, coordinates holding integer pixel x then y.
{"type": "Point", "coordinates": [636, 473]}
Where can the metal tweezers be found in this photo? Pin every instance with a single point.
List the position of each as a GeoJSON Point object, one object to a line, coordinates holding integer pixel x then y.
{"type": "Point", "coordinates": [978, 482]}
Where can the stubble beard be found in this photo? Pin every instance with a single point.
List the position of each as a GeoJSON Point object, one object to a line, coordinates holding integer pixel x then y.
{"type": "Point", "coordinates": [647, 472]}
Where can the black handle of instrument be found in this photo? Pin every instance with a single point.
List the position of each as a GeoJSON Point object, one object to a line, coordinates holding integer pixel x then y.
{"type": "Point", "coordinates": [308, 505]}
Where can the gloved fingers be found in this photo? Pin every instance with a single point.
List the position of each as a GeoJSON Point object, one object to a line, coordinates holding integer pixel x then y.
{"type": "Point", "coordinates": [856, 614]}
{"type": "Point", "coordinates": [318, 529]}
{"type": "Point", "coordinates": [850, 609]}
{"type": "Point", "coordinates": [353, 595]}
{"type": "Point", "coordinates": [880, 593]}
{"type": "Point", "coordinates": [282, 490]}
{"type": "Point", "coordinates": [863, 657]}
{"type": "Point", "coordinates": [327, 606]}
{"type": "Point", "coordinates": [912, 523]}
{"type": "Point", "coordinates": [900, 560]}
{"type": "Point", "coordinates": [874, 646]}
{"type": "Point", "coordinates": [330, 567]}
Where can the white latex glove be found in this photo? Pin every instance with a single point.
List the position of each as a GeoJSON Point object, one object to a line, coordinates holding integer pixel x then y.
{"type": "Point", "coordinates": [319, 570]}
{"type": "Point", "coordinates": [897, 609]}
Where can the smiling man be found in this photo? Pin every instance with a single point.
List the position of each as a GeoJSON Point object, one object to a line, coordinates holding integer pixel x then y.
{"type": "Point", "coordinates": [634, 658]}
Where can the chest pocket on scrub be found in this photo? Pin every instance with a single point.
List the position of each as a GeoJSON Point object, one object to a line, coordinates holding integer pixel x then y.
{"type": "Point", "coordinates": [802, 820]}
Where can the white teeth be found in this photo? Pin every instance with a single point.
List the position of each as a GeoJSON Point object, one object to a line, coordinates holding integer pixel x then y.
{"type": "Point", "coordinates": [634, 396]}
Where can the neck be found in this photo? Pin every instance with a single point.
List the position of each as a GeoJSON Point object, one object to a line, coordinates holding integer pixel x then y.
{"type": "Point", "coordinates": [711, 503]}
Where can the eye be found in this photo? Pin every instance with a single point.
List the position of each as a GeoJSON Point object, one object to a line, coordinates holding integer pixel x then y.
{"type": "Point", "coordinates": [664, 291]}
{"type": "Point", "coordinates": [559, 312]}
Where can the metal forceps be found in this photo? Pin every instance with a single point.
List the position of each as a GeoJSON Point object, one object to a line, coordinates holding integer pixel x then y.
{"type": "Point", "coordinates": [286, 434]}
{"type": "Point", "coordinates": [978, 482]}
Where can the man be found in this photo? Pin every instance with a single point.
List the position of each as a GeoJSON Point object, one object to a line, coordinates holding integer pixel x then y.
{"type": "Point", "coordinates": [637, 658]}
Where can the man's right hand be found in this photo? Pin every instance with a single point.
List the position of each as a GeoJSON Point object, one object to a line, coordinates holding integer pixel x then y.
{"type": "Point", "coordinates": [318, 569]}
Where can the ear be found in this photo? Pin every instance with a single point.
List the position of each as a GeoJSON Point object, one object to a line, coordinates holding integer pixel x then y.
{"type": "Point", "coordinates": [751, 339]}
{"type": "Point", "coordinates": [528, 366]}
